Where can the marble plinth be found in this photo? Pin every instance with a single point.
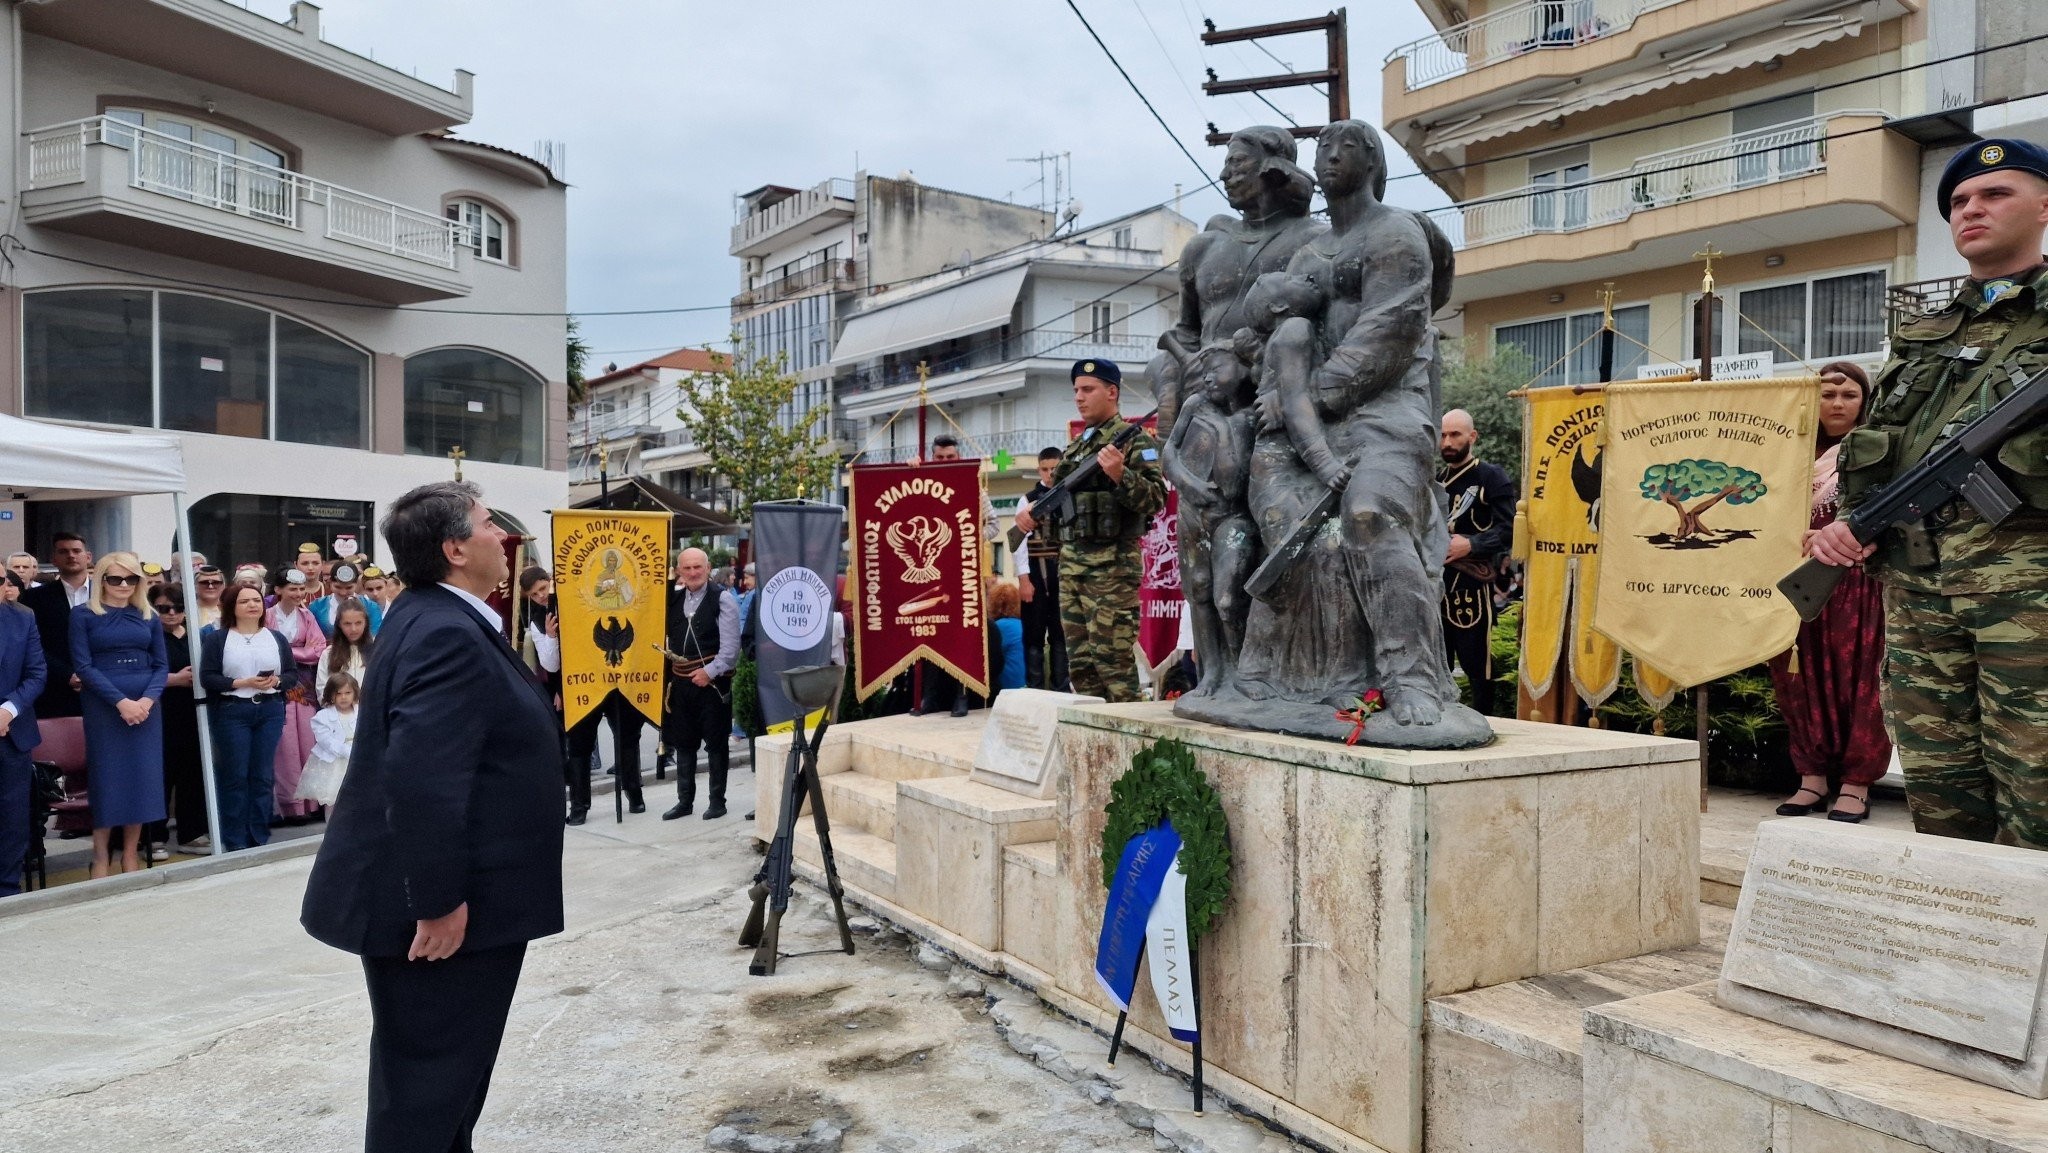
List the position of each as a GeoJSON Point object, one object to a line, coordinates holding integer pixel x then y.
{"type": "Point", "coordinates": [1367, 881]}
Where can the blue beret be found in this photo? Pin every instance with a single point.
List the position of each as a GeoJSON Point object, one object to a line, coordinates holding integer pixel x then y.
{"type": "Point", "coordinates": [1105, 371]}
{"type": "Point", "coordinates": [1989, 156]}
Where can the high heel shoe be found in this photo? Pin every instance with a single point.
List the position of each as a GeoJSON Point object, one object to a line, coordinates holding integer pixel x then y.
{"type": "Point", "coordinates": [1836, 814]}
{"type": "Point", "coordinates": [1793, 808]}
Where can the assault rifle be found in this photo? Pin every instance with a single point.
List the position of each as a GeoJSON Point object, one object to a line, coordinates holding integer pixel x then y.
{"type": "Point", "coordinates": [814, 688]}
{"type": "Point", "coordinates": [1960, 467]}
{"type": "Point", "coordinates": [1058, 502]}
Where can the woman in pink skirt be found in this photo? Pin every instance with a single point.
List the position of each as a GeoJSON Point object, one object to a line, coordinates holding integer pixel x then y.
{"type": "Point", "coordinates": [295, 622]}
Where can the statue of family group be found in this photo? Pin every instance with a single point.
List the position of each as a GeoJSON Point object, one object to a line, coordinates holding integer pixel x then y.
{"type": "Point", "coordinates": [1299, 401]}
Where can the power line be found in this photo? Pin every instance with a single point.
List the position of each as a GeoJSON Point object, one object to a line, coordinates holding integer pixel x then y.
{"type": "Point", "coordinates": [1207, 180]}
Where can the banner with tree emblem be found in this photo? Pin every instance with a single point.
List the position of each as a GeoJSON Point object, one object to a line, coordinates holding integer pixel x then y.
{"type": "Point", "coordinates": [1705, 495]}
{"type": "Point", "coordinates": [1559, 543]}
{"type": "Point", "coordinates": [611, 590]}
{"type": "Point", "coordinates": [917, 571]}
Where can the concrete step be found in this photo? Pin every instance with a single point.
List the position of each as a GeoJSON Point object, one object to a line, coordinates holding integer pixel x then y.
{"type": "Point", "coordinates": [856, 800]}
{"type": "Point", "coordinates": [865, 861]}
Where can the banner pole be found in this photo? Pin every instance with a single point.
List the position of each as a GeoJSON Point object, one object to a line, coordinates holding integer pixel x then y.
{"type": "Point", "coordinates": [1703, 344]}
{"type": "Point", "coordinates": [1116, 1039]}
{"type": "Point", "coordinates": [1195, 990]}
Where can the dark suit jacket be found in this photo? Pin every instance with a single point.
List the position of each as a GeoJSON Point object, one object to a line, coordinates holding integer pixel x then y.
{"type": "Point", "coordinates": [53, 621]}
{"type": "Point", "coordinates": [21, 673]}
{"type": "Point", "coordinates": [453, 793]}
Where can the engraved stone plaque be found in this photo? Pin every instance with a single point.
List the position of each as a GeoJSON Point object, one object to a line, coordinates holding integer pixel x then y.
{"type": "Point", "coordinates": [1923, 947]}
{"type": "Point", "coordinates": [1017, 747]}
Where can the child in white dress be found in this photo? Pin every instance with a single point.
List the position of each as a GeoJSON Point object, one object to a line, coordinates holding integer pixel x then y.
{"type": "Point", "coordinates": [334, 735]}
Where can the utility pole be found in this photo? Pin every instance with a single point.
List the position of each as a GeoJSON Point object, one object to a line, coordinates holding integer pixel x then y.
{"type": "Point", "coordinates": [1336, 75]}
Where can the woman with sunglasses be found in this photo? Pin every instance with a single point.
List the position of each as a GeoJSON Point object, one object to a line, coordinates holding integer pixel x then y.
{"type": "Point", "coordinates": [239, 666]}
{"type": "Point", "coordinates": [117, 652]}
{"type": "Point", "coordinates": [184, 785]}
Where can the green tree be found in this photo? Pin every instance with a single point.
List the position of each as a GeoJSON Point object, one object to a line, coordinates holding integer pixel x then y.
{"type": "Point", "coordinates": [1680, 481]}
{"type": "Point", "coordinates": [1478, 380]}
{"type": "Point", "coordinates": [744, 417]}
{"type": "Point", "coordinates": [579, 355]}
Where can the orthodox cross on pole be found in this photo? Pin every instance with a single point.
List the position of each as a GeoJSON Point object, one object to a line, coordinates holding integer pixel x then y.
{"type": "Point", "coordinates": [458, 456]}
{"type": "Point", "coordinates": [1606, 295]}
{"type": "Point", "coordinates": [1709, 254]}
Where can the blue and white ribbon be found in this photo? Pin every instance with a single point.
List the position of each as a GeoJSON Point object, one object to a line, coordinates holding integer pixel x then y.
{"type": "Point", "coordinates": [1147, 919]}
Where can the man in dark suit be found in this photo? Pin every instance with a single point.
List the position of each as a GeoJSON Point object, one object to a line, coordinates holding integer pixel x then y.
{"type": "Point", "coordinates": [21, 681]}
{"type": "Point", "coordinates": [52, 602]}
{"type": "Point", "coordinates": [444, 855]}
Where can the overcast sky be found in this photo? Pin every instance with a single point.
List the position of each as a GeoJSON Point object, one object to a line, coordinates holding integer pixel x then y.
{"type": "Point", "coordinates": [670, 107]}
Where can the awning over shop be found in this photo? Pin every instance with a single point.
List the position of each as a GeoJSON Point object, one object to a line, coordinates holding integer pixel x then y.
{"type": "Point", "coordinates": [643, 495]}
{"type": "Point", "coordinates": [1782, 39]}
{"type": "Point", "coordinates": [968, 306]}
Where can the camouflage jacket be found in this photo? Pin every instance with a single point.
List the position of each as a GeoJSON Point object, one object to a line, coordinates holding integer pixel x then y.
{"type": "Point", "coordinates": [1110, 519]}
{"type": "Point", "coordinates": [1944, 368]}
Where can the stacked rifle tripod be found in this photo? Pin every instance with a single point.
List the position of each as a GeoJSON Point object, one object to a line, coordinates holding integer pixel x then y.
{"type": "Point", "coordinates": [815, 689]}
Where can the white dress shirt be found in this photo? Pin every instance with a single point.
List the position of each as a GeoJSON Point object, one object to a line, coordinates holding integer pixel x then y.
{"type": "Point", "coordinates": [490, 615]}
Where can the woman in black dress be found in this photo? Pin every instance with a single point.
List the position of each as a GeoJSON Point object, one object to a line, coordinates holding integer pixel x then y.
{"type": "Point", "coordinates": [184, 783]}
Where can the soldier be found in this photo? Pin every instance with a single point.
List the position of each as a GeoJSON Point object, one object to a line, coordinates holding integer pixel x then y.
{"type": "Point", "coordinates": [1966, 603]}
{"type": "Point", "coordinates": [1040, 589]}
{"type": "Point", "coordinates": [1099, 547]}
{"type": "Point", "coordinates": [1482, 525]}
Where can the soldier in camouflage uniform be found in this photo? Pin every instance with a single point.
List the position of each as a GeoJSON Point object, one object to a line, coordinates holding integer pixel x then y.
{"type": "Point", "coordinates": [1100, 553]}
{"type": "Point", "coordinates": [1966, 604]}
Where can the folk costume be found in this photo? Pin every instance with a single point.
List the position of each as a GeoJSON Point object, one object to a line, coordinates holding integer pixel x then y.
{"type": "Point", "coordinates": [1482, 501]}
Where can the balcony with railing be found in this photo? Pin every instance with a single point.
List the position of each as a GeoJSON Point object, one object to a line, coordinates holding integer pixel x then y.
{"type": "Point", "coordinates": [818, 207]}
{"type": "Point", "coordinates": [1541, 51]}
{"type": "Point", "coordinates": [834, 274]}
{"type": "Point", "coordinates": [118, 181]}
{"type": "Point", "coordinates": [1831, 176]}
{"type": "Point", "coordinates": [1021, 443]}
{"type": "Point", "coordinates": [988, 352]}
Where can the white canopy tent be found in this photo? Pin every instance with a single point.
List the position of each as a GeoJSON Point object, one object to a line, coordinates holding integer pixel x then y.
{"type": "Point", "coordinates": [41, 461]}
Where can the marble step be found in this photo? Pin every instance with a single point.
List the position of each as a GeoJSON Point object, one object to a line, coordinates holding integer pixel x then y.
{"type": "Point", "coordinates": [865, 861]}
{"type": "Point", "coordinates": [856, 800]}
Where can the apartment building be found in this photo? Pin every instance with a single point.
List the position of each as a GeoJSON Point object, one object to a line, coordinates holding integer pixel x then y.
{"type": "Point", "coordinates": [996, 338]}
{"type": "Point", "coordinates": [225, 228]}
{"type": "Point", "coordinates": [630, 416]}
{"type": "Point", "coordinates": [1589, 141]}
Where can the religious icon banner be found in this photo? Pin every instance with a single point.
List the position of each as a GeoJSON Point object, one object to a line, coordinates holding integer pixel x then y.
{"type": "Point", "coordinates": [1560, 514]}
{"type": "Point", "coordinates": [1706, 491]}
{"type": "Point", "coordinates": [917, 572]}
{"type": "Point", "coordinates": [611, 590]}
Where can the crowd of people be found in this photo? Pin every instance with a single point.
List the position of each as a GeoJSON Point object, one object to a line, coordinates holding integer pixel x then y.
{"type": "Point", "coordinates": [108, 640]}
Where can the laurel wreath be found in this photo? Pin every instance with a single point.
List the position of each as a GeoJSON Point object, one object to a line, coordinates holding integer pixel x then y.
{"type": "Point", "coordinates": [1164, 784]}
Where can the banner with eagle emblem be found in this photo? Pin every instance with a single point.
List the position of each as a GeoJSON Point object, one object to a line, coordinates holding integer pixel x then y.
{"type": "Point", "coordinates": [611, 591]}
{"type": "Point", "coordinates": [918, 572]}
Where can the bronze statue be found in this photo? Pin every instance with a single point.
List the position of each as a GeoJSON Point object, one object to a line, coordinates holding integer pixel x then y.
{"type": "Point", "coordinates": [1348, 402]}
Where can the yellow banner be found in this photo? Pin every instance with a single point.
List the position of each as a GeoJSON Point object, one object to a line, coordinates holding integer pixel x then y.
{"type": "Point", "coordinates": [1705, 496]}
{"type": "Point", "coordinates": [611, 589]}
{"type": "Point", "coordinates": [1562, 487]}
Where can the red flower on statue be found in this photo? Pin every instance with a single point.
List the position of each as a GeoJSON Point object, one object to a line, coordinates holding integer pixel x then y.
{"type": "Point", "coordinates": [1362, 706]}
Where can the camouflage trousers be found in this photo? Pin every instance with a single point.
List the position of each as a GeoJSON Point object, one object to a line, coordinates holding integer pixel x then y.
{"type": "Point", "coordinates": [1966, 686]}
{"type": "Point", "coordinates": [1099, 615]}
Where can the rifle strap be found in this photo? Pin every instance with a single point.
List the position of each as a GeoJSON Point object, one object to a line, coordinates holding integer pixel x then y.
{"type": "Point", "coordinates": [1977, 386]}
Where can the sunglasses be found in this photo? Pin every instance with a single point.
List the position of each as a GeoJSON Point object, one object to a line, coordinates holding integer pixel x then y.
{"type": "Point", "coordinates": [216, 582]}
{"type": "Point", "coordinates": [123, 580]}
{"type": "Point", "coordinates": [167, 608]}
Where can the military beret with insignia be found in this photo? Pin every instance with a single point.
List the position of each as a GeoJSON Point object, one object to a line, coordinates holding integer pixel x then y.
{"type": "Point", "coordinates": [1105, 371]}
{"type": "Point", "coordinates": [1989, 156]}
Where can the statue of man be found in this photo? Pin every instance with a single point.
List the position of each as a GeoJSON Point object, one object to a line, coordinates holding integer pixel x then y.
{"type": "Point", "coordinates": [1271, 193]}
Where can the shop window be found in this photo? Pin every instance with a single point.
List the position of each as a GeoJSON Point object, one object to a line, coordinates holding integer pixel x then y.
{"type": "Point", "coordinates": [88, 355]}
{"type": "Point", "coordinates": [492, 408]}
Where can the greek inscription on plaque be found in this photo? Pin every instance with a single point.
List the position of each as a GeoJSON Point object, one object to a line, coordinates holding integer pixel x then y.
{"type": "Point", "coordinates": [1897, 929]}
{"type": "Point", "coordinates": [1017, 745]}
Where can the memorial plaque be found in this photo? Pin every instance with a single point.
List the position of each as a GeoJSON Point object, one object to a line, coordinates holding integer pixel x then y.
{"type": "Point", "coordinates": [1897, 934]}
{"type": "Point", "coordinates": [1017, 748]}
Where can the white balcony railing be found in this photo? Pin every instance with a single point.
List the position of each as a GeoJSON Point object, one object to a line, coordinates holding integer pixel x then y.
{"type": "Point", "coordinates": [220, 180]}
{"type": "Point", "coordinates": [1785, 152]}
{"type": "Point", "coordinates": [786, 212]}
{"type": "Point", "coordinates": [1531, 26]}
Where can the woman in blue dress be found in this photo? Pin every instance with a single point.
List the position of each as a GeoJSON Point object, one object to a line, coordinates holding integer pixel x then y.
{"type": "Point", "coordinates": [117, 650]}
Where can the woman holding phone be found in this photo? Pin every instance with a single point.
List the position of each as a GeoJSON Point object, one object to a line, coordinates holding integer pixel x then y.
{"type": "Point", "coordinates": [239, 664]}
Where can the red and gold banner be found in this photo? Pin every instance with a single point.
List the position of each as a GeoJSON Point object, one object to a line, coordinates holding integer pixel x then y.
{"type": "Point", "coordinates": [917, 572]}
{"type": "Point", "coordinates": [1160, 605]}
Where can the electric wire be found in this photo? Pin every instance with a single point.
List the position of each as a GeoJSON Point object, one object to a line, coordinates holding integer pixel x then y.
{"type": "Point", "coordinates": [1207, 180]}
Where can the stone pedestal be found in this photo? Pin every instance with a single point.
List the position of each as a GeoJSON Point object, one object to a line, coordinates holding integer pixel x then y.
{"type": "Point", "coordinates": [1367, 881]}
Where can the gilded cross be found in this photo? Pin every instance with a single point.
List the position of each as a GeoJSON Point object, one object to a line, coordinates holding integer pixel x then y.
{"type": "Point", "coordinates": [1707, 277]}
{"type": "Point", "coordinates": [1607, 305]}
{"type": "Point", "coordinates": [458, 456]}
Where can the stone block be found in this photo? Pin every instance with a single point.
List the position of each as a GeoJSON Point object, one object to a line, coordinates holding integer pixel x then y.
{"type": "Point", "coordinates": [951, 833]}
{"type": "Point", "coordinates": [1031, 903]}
{"type": "Point", "coordinates": [1484, 884]}
{"type": "Point", "coordinates": [1635, 1102]}
{"type": "Point", "coordinates": [1812, 1132]}
{"type": "Point", "coordinates": [1018, 750]}
{"type": "Point", "coordinates": [862, 802]}
{"type": "Point", "coordinates": [1592, 851]}
{"type": "Point", "coordinates": [1482, 1099]}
